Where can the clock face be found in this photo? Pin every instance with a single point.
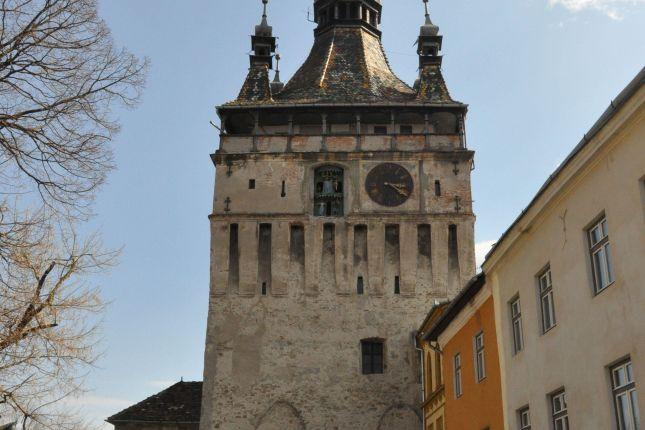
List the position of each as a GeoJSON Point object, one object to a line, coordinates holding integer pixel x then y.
{"type": "Point", "coordinates": [389, 184]}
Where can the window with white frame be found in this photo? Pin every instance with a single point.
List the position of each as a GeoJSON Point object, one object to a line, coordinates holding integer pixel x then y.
{"type": "Point", "coordinates": [625, 399]}
{"type": "Point", "coordinates": [457, 370]}
{"type": "Point", "coordinates": [524, 418]}
{"type": "Point", "coordinates": [601, 260]}
{"type": "Point", "coordinates": [559, 411]}
{"type": "Point", "coordinates": [480, 360]}
{"type": "Point", "coordinates": [547, 306]}
{"type": "Point", "coordinates": [516, 323]}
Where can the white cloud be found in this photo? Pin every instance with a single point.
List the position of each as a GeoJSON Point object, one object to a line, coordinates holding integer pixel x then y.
{"type": "Point", "coordinates": [481, 249]}
{"type": "Point", "coordinates": [614, 9]}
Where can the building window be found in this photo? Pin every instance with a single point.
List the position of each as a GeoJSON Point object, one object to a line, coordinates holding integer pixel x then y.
{"type": "Point", "coordinates": [480, 360]}
{"type": "Point", "coordinates": [516, 323]}
{"type": "Point", "coordinates": [380, 129]}
{"type": "Point", "coordinates": [457, 369]}
{"type": "Point", "coordinates": [360, 286]}
{"type": "Point", "coordinates": [547, 306]}
{"type": "Point", "coordinates": [406, 129]}
{"type": "Point", "coordinates": [437, 188]}
{"type": "Point", "coordinates": [625, 399]}
{"type": "Point", "coordinates": [328, 193]}
{"type": "Point", "coordinates": [600, 250]}
{"type": "Point", "coordinates": [251, 184]}
{"type": "Point", "coordinates": [372, 352]}
{"type": "Point", "coordinates": [524, 418]}
{"type": "Point", "coordinates": [397, 285]}
{"type": "Point", "coordinates": [559, 411]}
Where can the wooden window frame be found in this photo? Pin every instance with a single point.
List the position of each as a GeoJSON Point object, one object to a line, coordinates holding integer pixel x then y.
{"type": "Point", "coordinates": [600, 246]}
{"type": "Point", "coordinates": [479, 357]}
{"type": "Point", "coordinates": [516, 321]}
{"type": "Point", "coordinates": [548, 319]}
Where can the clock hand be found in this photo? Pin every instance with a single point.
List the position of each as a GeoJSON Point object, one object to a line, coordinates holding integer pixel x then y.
{"type": "Point", "coordinates": [399, 188]}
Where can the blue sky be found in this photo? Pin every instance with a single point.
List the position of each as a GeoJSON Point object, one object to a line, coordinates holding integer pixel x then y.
{"type": "Point", "coordinates": [536, 74]}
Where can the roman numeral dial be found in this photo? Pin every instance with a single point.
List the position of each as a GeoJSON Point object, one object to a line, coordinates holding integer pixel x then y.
{"type": "Point", "coordinates": [389, 184]}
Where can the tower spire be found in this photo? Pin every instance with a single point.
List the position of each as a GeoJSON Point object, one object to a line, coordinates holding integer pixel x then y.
{"type": "Point", "coordinates": [429, 42]}
{"type": "Point", "coordinates": [263, 43]}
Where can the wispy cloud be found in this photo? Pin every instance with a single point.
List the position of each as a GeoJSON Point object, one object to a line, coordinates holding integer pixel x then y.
{"type": "Point", "coordinates": [481, 249]}
{"type": "Point", "coordinates": [614, 9]}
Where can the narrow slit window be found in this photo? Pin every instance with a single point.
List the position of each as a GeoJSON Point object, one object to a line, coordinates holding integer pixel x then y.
{"type": "Point", "coordinates": [360, 286]}
{"type": "Point", "coordinates": [284, 189]}
{"type": "Point", "coordinates": [251, 184]}
{"type": "Point", "coordinates": [397, 285]}
{"type": "Point", "coordinates": [437, 188]}
{"type": "Point", "coordinates": [264, 288]}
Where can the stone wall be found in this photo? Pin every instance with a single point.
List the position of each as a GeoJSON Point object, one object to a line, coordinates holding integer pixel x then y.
{"type": "Point", "coordinates": [291, 359]}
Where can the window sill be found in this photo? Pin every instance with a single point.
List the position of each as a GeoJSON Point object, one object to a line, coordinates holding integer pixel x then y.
{"type": "Point", "coordinates": [599, 292]}
{"type": "Point", "coordinates": [545, 332]}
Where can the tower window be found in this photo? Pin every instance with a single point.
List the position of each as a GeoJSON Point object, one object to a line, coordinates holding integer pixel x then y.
{"type": "Point", "coordinates": [406, 129]}
{"type": "Point", "coordinates": [372, 356]}
{"type": "Point", "coordinates": [328, 192]}
{"type": "Point", "coordinates": [251, 184]}
{"type": "Point", "coordinates": [284, 189]}
{"type": "Point", "coordinates": [380, 129]}
{"type": "Point", "coordinates": [437, 188]}
{"type": "Point", "coordinates": [397, 285]}
{"type": "Point", "coordinates": [360, 287]}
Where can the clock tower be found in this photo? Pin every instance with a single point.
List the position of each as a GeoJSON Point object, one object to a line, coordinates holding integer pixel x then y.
{"type": "Point", "coordinates": [342, 211]}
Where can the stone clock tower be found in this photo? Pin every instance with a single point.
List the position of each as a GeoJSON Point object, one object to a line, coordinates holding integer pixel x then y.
{"type": "Point", "coordinates": [342, 210]}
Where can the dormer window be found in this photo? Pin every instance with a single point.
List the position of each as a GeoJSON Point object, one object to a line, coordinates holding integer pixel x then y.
{"type": "Point", "coordinates": [328, 191]}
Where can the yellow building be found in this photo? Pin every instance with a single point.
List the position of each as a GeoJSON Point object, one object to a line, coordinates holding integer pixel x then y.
{"type": "Point", "coordinates": [568, 281]}
{"type": "Point", "coordinates": [433, 386]}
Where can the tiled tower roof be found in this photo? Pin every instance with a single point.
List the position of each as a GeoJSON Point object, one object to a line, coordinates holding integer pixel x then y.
{"type": "Point", "coordinates": [348, 65]}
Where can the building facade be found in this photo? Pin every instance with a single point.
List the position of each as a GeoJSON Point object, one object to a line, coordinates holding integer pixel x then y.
{"type": "Point", "coordinates": [465, 335]}
{"type": "Point", "coordinates": [568, 280]}
{"type": "Point", "coordinates": [342, 208]}
{"type": "Point", "coordinates": [434, 393]}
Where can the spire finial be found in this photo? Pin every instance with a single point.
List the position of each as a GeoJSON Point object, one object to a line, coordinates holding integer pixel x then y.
{"type": "Point", "coordinates": [425, 3]}
{"type": "Point", "coordinates": [276, 80]}
{"type": "Point", "coordinates": [264, 12]}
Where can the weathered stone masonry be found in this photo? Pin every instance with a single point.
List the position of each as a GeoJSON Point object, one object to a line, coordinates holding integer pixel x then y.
{"type": "Point", "coordinates": [305, 262]}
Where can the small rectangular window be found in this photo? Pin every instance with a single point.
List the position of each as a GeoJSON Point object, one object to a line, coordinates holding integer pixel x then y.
{"type": "Point", "coordinates": [360, 286]}
{"type": "Point", "coordinates": [600, 253]}
{"type": "Point", "coordinates": [437, 188]}
{"type": "Point", "coordinates": [251, 184]}
{"type": "Point", "coordinates": [559, 411]}
{"type": "Point", "coordinates": [372, 352]}
{"type": "Point", "coordinates": [516, 323]}
{"type": "Point", "coordinates": [406, 129]}
{"type": "Point", "coordinates": [524, 419]}
{"type": "Point", "coordinates": [397, 285]}
{"type": "Point", "coordinates": [457, 372]}
{"type": "Point", "coordinates": [547, 305]}
{"type": "Point", "coordinates": [380, 129]}
{"type": "Point", "coordinates": [480, 359]}
{"type": "Point", "coordinates": [625, 398]}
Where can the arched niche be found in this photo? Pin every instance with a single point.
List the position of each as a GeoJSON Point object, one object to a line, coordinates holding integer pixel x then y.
{"type": "Point", "coordinates": [281, 416]}
{"type": "Point", "coordinates": [399, 417]}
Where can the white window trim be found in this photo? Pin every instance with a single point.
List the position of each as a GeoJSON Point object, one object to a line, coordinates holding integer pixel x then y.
{"type": "Point", "coordinates": [479, 355]}
{"type": "Point", "coordinates": [627, 390]}
{"type": "Point", "coordinates": [517, 318]}
{"type": "Point", "coordinates": [601, 246]}
{"type": "Point", "coordinates": [521, 413]}
{"type": "Point", "coordinates": [562, 415]}
{"type": "Point", "coordinates": [457, 377]}
{"type": "Point", "coordinates": [546, 293]}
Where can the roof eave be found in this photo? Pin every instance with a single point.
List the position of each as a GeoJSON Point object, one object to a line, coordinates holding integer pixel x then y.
{"type": "Point", "coordinates": [609, 113]}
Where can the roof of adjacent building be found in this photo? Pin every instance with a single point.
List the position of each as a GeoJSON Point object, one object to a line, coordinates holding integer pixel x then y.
{"type": "Point", "coordinates": [456, 306]}
{"type": "Point", "coordinates": [180, 403]}
{"type": "Point", "coordinates": [625, 95]}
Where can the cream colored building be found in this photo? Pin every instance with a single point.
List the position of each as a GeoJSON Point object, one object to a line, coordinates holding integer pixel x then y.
{"type": "Point", "coordinates": [568, 281]}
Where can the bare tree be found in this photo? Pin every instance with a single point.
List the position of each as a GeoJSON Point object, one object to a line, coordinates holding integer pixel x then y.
{"type": "Point", "coordinates": [47, 320]}
{"type": "Point", "coordinates": [60, 78]}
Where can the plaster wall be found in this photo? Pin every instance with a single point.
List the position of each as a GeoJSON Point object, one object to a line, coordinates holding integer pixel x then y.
{"type": "Point", "coordinates": [592, 331]}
